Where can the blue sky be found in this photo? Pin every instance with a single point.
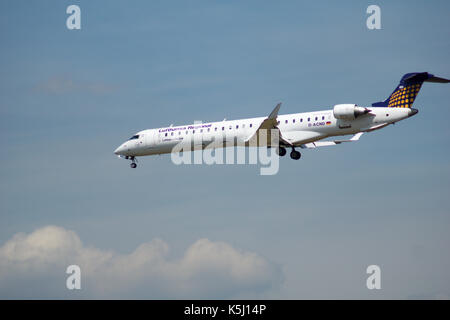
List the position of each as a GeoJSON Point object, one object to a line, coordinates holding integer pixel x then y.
{"type": "Point", "coordinates": [69, 98]}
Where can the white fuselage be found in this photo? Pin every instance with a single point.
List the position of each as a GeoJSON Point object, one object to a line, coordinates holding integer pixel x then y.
{"type": "Point", "coordinates": [302, 127]}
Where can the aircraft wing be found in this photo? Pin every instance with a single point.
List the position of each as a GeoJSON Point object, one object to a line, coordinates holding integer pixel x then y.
{"type": "Point", "coordinates": [270, 123]}
{"type": "Point", "coordinates": [298, 138]}
{"type": "Point", "coordinates": [373, 128]}
{"type": "Point", "coordinates": [316, 144]}
{"type": "Point", "coordinates": [303, 139]}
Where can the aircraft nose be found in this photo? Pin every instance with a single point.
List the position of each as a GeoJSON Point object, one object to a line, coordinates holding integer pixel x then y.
{"type": "Point", "coordinates": [119, 150]}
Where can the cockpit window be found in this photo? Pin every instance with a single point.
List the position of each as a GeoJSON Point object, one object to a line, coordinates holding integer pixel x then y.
{"type": "Point", "coordinates": [134, 137]}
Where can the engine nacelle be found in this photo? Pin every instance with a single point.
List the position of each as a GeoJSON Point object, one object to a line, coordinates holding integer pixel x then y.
{"type": "Point", "coordinates": [348, 111]}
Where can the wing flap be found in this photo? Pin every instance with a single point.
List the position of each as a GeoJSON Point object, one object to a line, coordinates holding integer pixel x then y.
{"type": "Point", "coordinates": [317, 144]}
{"type": "Point", "coordinates": [301, 137]}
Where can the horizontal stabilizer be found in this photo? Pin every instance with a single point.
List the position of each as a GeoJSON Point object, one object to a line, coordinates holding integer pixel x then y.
{"type": "Point", "coordinates": [437, 80]}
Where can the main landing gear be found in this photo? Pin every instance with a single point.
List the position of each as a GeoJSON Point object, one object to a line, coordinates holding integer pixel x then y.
{"type": "Point", "coordinates": [295, 154]}
{"type": "Point", "coordinates": [281, 151]}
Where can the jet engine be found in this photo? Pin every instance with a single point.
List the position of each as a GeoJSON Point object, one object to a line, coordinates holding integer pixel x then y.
{"type": "Point", "coordinates": [349, 111]}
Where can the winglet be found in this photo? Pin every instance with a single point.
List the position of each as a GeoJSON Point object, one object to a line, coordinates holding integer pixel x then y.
{"type": "Point", "coordinates": [356, 136]}
{"type": "Point", "coordinates": [274, 113]}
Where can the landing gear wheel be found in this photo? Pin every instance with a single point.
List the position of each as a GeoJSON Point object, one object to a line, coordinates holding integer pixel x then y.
{"type": "Point", "coordinates": [295, 155]}
{"type": "Point", "coordinates": [133, 161]}
{"type": "Point", "coordinates": [280, 151]}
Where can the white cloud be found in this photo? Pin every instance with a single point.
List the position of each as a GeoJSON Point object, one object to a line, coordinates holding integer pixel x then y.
{"type": "Point", "coordinates": [33, 266]}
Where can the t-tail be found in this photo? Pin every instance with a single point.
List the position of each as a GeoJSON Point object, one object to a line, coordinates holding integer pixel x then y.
{"type": "Point", "coordinates": [407, 90]}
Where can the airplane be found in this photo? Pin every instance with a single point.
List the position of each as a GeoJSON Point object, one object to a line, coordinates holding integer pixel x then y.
{"type": "Point", "coordinates": [303, 130]}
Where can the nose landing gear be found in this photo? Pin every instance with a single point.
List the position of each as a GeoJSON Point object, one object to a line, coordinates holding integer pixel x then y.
{"type": "Point", "coordinates": [133, 161]}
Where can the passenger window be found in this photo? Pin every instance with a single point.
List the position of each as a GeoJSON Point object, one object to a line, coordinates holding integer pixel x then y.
{"type": "Point", "coordinates": [171, 134]}
{"type": "Point", "coordinates": [316, 118]}
{"type": "Point", "coordinates": [223, 128]}
{"type": "Point", "coordinates": [251, 125]}
{"type": "Point", "coordinates": [301, 120]}
{"type": "Point", "coordinates": [309, 119]}
{"type": "Point", "coordinates": [165, 134]}
{"type": "Point", "coordinates": [323, 117]}
{"type": "Point", "coordinates": [286, 121]}
{"type": "Point", "coordinates": [293, 120]}
{"type": "Point", "coordinates": [237, 126]}
{"type": "Point", "coordinates": [215, 129]}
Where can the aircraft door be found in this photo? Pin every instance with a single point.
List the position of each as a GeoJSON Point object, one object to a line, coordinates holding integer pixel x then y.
{"type": "Point", "coordinates": [158, 137]}
{"type": "Point", "coordinates": [151, 138]}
